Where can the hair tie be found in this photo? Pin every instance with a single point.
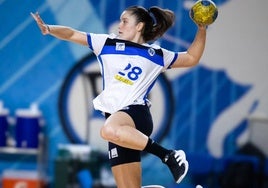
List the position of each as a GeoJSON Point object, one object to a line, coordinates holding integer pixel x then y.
{"type": "Point", "coordinates": [153, 17]}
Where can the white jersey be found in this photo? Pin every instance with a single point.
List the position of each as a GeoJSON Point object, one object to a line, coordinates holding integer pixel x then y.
{"type": "Point", "coordinates": [129, 70]}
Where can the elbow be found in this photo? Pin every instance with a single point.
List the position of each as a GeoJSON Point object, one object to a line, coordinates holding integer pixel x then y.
{"type": "Point", "coordinates": [194, 61]}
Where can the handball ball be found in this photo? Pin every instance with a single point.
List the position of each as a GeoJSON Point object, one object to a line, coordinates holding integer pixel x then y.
{"type": "Point", "coordinates": [204, 12]}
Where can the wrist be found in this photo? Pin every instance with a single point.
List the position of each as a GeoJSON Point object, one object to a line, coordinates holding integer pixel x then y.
{"type": "Point", "coordinates": [202, 27]}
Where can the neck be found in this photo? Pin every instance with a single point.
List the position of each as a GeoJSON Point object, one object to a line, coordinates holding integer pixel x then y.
{"type": "Point", "coordinates": [138, 39]}
{"type": "Point", "coordinates": [135, 39]}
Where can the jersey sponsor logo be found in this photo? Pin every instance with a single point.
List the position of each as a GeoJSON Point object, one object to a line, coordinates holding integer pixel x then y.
{"type": "Point", "coordinates": [122, 79]}
{"type": "Point", "coordinates": [120, 46]}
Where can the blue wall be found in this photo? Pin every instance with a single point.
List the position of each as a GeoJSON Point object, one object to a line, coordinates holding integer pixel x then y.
{"type": "Point", "coordinates": [34, 68]}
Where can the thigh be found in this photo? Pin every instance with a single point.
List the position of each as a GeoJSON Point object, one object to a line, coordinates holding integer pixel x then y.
{"type": "Point", "coordinates": [118, 119]}
{"type": "Point", "coordinates": [142, 118]}
{"type": "Point", "coordinates": [119, 155]}
{"type": "Point", "coordinates": [137, 116]}
{"type": "Point", "coordinates": [128, 175]}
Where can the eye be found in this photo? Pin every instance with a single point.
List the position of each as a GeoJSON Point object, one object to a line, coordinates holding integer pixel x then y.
{"type": "Point", "coordinates": [124, 20]}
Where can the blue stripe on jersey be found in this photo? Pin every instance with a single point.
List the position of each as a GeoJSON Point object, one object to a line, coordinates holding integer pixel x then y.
{"type": "Point", "coordinates": [132, 50]}
{"type": "Point", "coordinates": [89, 41]}
{"type": "Point", "coordinates": [148, 90]}
{"type": "Point", "coordinates": [123, 47]}
{"type": "Point", "coordinates": [102, 72]}
{"type": "Point", "coordinates": [173, 60]}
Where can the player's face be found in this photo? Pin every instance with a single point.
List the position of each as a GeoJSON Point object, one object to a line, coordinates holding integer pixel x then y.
{"type": "Point", "coordinates": [128, 28]}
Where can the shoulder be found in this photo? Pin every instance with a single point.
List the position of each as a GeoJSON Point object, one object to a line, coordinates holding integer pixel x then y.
{"type": "Point", "coordinates": [153, 45]}
{"type": "Point", "coordinates": [163, 50]}
{"type": "Point", "coordinates": [97, 36]}
{"type": "Point", "coordinates": [169, 56]}
{"type": "Point", "coordinates": [96, 41]}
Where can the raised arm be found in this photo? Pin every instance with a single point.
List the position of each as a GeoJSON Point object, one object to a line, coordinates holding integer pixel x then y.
{"type": "Point", "coordinates": [194, 52]}
{"type": "Point", "coordinates": [61, 32]}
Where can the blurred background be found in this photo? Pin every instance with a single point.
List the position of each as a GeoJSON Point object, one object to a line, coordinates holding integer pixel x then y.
{"type": "Point", "coordinates": [217, 112]}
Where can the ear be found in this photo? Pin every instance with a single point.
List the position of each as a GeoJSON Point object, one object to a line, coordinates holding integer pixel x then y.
{"type": "Point", "coordinates": [140, 26]}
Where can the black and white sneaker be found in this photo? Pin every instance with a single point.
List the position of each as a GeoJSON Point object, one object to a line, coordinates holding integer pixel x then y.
{"type": "Point", "coordinates": [177, 164]}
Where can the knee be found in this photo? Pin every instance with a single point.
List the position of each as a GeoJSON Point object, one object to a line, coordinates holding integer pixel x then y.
{"type": "Point", "coordinates": [108, 133]}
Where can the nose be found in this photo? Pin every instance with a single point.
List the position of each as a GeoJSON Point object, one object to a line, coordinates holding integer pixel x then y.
{"type": "Point", "coordinates": [119, 26]}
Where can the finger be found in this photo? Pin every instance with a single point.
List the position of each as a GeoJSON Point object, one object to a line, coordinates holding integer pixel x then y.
{"type": "Point", "coordinates": [33, 15]}
{"type": "Point", "coordinates": [39, 18]}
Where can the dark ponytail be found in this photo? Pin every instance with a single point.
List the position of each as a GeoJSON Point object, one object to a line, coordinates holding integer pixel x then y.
{"type": "Point", "coordinates": [156, 21]}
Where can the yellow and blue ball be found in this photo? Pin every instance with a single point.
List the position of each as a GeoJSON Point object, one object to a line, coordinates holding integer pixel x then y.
{"type": "Point", "coordinates": [204, 12]}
